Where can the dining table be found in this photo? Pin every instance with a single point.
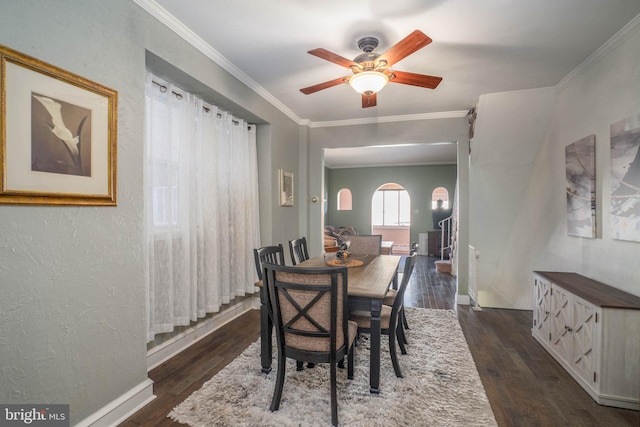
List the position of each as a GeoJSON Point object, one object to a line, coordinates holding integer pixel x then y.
{"type": "Point", "coordinates": [368, 283]}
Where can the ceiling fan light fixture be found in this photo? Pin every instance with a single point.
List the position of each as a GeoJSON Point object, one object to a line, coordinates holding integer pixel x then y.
{"type": "Point", "coordinates": [368, 82]}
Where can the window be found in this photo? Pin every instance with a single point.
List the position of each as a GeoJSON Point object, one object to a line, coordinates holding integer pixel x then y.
{"type": "Point", "coordinates": [162, 205]}
{"type": "Point", "coordinates": [201, 207]}
{"type": "Point", "coordinates": [391, 206]}
{"type": "Point", "coordinates": [442, 194]}
{"type": "Point", "coordinates": [164, 156]}
{"type": "Point", "coordinates": [344, 200]}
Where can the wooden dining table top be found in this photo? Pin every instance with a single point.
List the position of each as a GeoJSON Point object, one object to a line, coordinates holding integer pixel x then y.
{"type": "Point", "coordinates": [370, 280]}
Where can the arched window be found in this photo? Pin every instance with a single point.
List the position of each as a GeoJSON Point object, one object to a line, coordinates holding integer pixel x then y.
{"type": "Point", "coordinates": [344, 200]}
{"type": "Point", "coordinates": [391, 206]}
{"type": "Point", "coordinates": [440, 193]}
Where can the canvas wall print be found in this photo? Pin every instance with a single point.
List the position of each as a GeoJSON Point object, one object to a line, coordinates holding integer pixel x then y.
{"type": "Point", "coordinates": [625, 179]}
{"type": "Point", "coordinates": [580, 160]}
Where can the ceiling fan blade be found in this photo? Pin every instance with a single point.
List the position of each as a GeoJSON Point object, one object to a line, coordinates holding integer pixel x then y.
{"type": "Point", "coordinates": [325, 85]}
{"type": "Point", "coordinates": [405, 47]}
{"type": "Point", "coordinates": [333, 57]}
{"type": "Point", "coordinates": [369, 101]}
{"type": "Point", "coordinates": [413, 79]}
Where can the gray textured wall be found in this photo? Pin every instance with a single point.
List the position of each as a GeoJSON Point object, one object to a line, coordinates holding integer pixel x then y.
{"type": "Point", "coordinates": [518, 161]}
{"type": "Point", "coordinates": [72, 311]}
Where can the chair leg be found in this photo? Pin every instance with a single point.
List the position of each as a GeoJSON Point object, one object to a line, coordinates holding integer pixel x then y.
{"type": "Point", "coordinates": [299, 365]}
{"type": "Point", "coordinates": [394, 354]}
{"type": "Point", "coordinates": [266, 328]}
{"type": "Point", "coordinates": [277, 393]}
{"type": "Point", "coordinates": [334, 397]}
{"type": "Point", "coordinates": [404, 324]}
{"type": "Point", "coordinates": [403, 336]}
{"type": "Point", "coordinates": [401, 322]}
{"type": "Point", "coordinates": [351, 362]}
{"type": "Point", "coordinates": [404, 320]}
{"type": "Point", "coordinates": [402, 340]}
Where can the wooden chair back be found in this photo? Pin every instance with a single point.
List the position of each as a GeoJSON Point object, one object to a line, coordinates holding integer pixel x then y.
{"type": "Point", "coordinates": [298, 250]}
{"type": "Point", "coordinates": [398, 303]}
{"type": "Point", "coordinates": [310, 314]}
{"type": "Point", "coordinates": [268, 254]}
{"type": "Point", "coordinates": [310, 308]}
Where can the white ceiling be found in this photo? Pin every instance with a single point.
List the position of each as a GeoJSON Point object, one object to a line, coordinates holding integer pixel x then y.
{"type": "Point", "coordinates": [478, 47]}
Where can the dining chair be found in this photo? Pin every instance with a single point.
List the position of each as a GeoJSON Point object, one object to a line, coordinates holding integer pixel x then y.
{"type": "Point", "coordinates": [310, 309]}
{"type": "Point", "coordinates": [391, 295]}
{"type": "Point", "coordinates": [390, 317]}
{"type": "Point", "coordinates": [388, 301]}
{"type": "Point", "coordinates": [268, 254]}
{"type": "Point", "coordinates": [365, 244]}
{"type": "Point", "coordinates": [272, 255]}
{"type": "Point", "coordinates": [298, 250]}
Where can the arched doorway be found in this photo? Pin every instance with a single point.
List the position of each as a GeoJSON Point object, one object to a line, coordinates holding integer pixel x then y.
{"type": "Point", "coordinates": [391, 217]}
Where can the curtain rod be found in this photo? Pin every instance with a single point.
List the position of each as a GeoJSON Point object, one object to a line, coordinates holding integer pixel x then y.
{"type": "Point", "coordinates": [163, 89]}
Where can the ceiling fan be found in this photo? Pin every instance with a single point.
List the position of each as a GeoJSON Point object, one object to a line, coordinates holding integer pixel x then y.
{"type": "Point", "coordinates": [371, 70]}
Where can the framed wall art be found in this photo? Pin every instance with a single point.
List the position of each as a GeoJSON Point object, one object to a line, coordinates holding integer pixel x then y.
{"type": "Point", "coordinates": [625, 178]}
{"type": "Point", "coordinates": [286, 188]}
{"type": "Point", "coordinates": [57, 135]}
{"type": "Point", "coordinates": [580, 163]}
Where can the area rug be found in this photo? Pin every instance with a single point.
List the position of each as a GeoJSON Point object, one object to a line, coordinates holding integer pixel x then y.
{"type": "Point", "coordinates": [441, 386]}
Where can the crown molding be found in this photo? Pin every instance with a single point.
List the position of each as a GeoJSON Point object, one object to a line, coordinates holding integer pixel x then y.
{"type": "Point", "coordinates": [385, 165]}
{"type": "Point", "coordinates": [196, 41]}
{"type": "Point", "coordinates": [162, 15]}
{"type": "Point", "coordinates": [389, 119]}
{"type": "Point", "coordinates": [610, 45]}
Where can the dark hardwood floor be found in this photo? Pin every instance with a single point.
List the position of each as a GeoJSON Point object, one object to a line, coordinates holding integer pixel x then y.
{"type": "Point", "coordinates": [525, 386]}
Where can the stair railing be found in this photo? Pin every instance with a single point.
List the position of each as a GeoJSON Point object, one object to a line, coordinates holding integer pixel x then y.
{"type": "Point", "coordinates": [445, 235]}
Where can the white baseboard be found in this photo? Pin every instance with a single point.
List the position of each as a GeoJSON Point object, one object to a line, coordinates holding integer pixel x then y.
{"type": "Point", "coordinates": [170, 348]}
{"type": "Point", "coordinates": [129, 403]}
{"type": "Point", "coordinates": [121, 408]}
{"type": "Point", "coordinates": [462, 300]}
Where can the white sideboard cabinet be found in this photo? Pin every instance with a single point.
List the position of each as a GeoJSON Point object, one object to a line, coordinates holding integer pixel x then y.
{"type": "Point", "coordinates": [593, 331]}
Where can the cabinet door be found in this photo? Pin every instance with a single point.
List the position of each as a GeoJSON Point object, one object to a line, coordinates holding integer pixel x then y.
{"type": "Point", "coordinates": [584, 317]}
{"type": "Point", "coordinates": [561, 338]}
{"type": "Point", "coordinates": [423, 249]}
{"type": "Point", "coordinates": [542, 308]}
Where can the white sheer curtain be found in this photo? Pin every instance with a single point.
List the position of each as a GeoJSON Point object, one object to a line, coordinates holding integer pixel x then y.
{"type": "Point", "coordinates": [201, 207]}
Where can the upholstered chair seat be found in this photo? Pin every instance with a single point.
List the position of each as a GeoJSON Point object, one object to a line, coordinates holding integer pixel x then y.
{"type": "Point", "coordinates": [363, 318]}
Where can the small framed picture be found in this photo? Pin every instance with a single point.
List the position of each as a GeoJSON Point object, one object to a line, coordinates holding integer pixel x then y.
{"type": "Point", "coordinates": [286, 188]}
{"type": "Point", "coordinates": [57, 135]}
